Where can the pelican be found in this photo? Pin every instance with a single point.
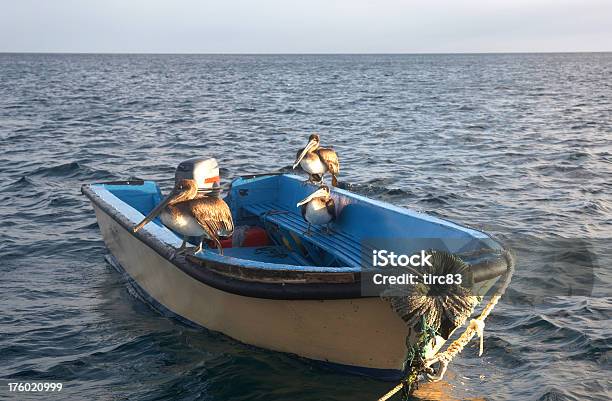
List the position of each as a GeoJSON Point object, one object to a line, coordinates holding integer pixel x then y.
{"type": "Point", "coordinates": [193, 215]}
{"type": "Point", "coordinates": [316, 160]}
{"type": "Point", "coordinates": [318, 208]}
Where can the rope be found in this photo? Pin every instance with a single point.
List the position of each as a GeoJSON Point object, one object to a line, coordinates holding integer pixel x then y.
{"type": "Point", "coordinates": [392, 392]}
{"type": "Point", "coordinates": [476, 326]}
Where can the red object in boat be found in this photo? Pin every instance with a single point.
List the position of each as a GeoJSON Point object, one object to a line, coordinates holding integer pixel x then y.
{"type": "Point", "coordinates": [251, 237]}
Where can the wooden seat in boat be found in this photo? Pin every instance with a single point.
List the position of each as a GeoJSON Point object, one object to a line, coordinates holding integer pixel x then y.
{"type": "Point", "coordinates": [337, 248]}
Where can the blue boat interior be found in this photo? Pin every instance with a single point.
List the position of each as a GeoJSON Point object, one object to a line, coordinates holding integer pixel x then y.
{"type": "Point", "coordinates": [361, 225]}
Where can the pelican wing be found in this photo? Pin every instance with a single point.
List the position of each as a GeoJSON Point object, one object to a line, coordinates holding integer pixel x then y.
{"type": "Point", "coordinates": [329, 157]}
{"type": "Point", "coordinates": [213, 215]}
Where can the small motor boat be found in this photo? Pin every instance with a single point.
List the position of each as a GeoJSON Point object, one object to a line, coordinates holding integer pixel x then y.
{"type": "Point", "coordinates": [275, 287]}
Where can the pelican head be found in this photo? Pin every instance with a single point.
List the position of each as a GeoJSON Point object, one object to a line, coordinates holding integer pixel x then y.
{"type": "Point", "coordinates": [184, 189]}
{"type": "Point", "coordinates": [313, 144]}
{"type": "Point", "coordinates": [322, 192]}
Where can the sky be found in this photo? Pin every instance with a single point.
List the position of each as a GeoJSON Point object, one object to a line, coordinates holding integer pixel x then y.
{"type": "Point", "coordinates": [305, 26]}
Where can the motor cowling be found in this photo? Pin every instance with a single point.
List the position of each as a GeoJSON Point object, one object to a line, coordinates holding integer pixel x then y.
{"type": "Point", "coordinates": [204, 171]}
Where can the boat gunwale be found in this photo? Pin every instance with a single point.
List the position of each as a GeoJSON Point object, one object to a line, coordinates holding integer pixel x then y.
{"type": "Point", "coordinates": [255, 282]}
{"type": "Point", "coordinates": [448, 223]}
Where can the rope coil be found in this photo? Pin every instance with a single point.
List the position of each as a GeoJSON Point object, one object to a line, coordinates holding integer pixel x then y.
{"type": "Point", "coordinates": [475, 327]}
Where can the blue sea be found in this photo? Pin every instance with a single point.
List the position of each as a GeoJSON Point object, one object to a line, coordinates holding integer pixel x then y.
{"type": "Point", "coordinates": [517, 144]}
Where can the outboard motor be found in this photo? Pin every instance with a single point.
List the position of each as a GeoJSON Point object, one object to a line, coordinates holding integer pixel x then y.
{"type": "Point", "coordinates": [205, 172]}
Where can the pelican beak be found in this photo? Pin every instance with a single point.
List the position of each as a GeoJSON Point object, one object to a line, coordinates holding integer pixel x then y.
{"type": "Point", "coordinates": [319, 193]}
{"type": "Point", "coordinates": [157, 210]}
{"type": "Point", "coordinates": [309, 146]}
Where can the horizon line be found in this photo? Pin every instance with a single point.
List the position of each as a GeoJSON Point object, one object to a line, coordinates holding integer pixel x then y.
{"type": "Point", "coordinates": [304, 53]}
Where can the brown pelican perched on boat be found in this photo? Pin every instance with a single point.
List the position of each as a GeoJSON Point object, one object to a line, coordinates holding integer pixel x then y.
{"type": "Point", "coordinates": [318, 208]}
{"type": "Point", "coordinates": [193, 215]}
{"type": "Point", "coordinates": [316, 160]}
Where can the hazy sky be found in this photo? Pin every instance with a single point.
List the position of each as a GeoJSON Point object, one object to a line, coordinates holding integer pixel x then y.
{"type": "Point", "coordinates": [304, 26]}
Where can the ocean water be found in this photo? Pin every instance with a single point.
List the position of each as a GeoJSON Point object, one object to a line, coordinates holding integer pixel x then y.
{"type": "Point", "coordinates": [517, 144]}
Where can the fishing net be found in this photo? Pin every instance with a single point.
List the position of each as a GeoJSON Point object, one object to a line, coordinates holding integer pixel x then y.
{"type": "Point", "coordinates": [443, 306]}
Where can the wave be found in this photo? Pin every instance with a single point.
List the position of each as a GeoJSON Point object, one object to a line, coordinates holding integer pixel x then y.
{"type": "Point", "coordinates": [72, 170]}
{"type": "Point", "coordinates": [293, 110]}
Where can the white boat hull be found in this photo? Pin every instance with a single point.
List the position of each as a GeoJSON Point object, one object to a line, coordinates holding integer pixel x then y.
{"type": "Point", "coordinates": [360, 333]}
